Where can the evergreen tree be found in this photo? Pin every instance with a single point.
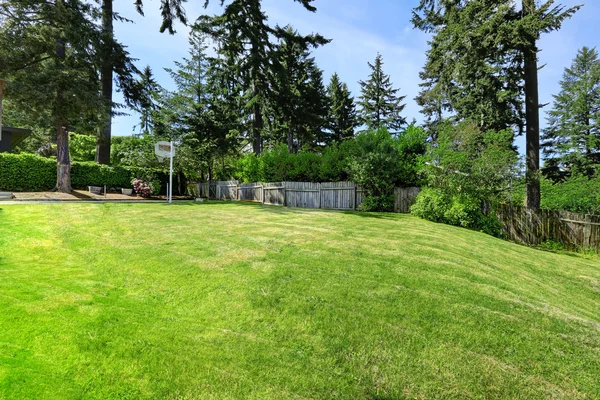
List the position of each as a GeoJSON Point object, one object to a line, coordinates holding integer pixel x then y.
{"type": "Point", "coordinates": [342, 114]}
{"type": "Point", "coordinates": [48, 52]}
{"type": "Point", "coordinates": [196, 113]}
{"type": "Point", "coordinates": [315, 134]}
{"type": "Point", "coordinates": [380, 105]}
{"type": "Point", "coordinates": [246, 50]}
{"type": "Point", "coordinates": [298, 105]}
{"type": "Point", "coordinates": [482, 65]}
{"type": "Point", "coordinates": [148, 91]}
{"type": "Point", "coordinates": [571, 143]}
{"type": "Point", "coordinates": [115, 60]}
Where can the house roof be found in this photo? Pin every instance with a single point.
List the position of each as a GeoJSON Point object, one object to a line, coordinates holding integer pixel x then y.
{"type": "Point", "coordinates": [17, 134]}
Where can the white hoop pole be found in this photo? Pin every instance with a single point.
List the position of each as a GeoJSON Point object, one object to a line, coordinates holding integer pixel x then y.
{"type": "Point", "coordinates": [170, 194]}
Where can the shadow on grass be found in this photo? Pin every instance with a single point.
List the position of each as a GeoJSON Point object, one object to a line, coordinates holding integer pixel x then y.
{"type": "Point", "coordinates": [376, 215]}
{"type": "Point", "coordinates": [275, 209]}
{"type": "Point", "coordinates": [81, 195]}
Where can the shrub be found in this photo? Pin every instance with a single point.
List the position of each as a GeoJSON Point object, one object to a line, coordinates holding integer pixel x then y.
{"type": "Point", "coordinates": [28, 172]}
{"type": "Point", "coordinates": [380, 161]}
{"type": "Point", "coordinates": [460, 210]}
{"type": "Point", "coordinates": [82, 147]}
{"type": "Point", "coordinates": [578, 194]}
{"type": "Point", "coordinates": [143, 188]}
{"type": "Point", "coordinates": [250, 169]}
{"type": "Point", "coordinates": [376, 160]}
{"type": "Point", "coordinates": [378, 203]}
{"type": "Point", "coordinates": [431, 204]}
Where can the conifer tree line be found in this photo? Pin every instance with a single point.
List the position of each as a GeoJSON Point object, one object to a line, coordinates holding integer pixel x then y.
{"type": "Point", "coordinates": [263, 87]}
{"type": "Point", "coordinates": [247, 85]}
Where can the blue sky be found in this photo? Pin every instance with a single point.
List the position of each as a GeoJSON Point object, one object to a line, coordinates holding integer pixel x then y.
{"type": "Point", "coordinates": [359, 29]}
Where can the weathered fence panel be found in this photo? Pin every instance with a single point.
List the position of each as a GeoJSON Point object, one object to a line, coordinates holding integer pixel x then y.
{"type": "Point", "coordinates": [302, 194]}
{"type": "Point", "coordinates": [328, 195]}
{"type": "Point", "coordinates": [226, 190]}
{"type": "Point", "coordinates": [534, 227]}
{"type": "Point", "coordinates": [338, 195]}
{"type": "Point", "coordinates": [274, 193]}
{"type": "Point", "coordinates": [205, 190]}
{"type": "Point", "coordinates": [404, 198]}
{"type": "Point", "coordinates": [250, 192]}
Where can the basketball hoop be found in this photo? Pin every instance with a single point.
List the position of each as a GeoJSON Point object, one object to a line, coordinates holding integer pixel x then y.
{"type": "Point", "coordinates": [166, 150]}
{"type": "Point", "coordinates": [163, 150]}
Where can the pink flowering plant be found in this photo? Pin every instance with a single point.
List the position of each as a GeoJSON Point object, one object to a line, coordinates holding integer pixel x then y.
{"type": "Point", "coordinates": [143, 188]}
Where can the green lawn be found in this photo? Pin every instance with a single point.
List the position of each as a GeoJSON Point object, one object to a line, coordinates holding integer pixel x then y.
{"type": "Point", "coordinates": [242, 301]}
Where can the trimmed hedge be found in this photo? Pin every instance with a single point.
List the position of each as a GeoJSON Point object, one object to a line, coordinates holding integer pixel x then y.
{"type": "Point", "coordinates": [28, 172]}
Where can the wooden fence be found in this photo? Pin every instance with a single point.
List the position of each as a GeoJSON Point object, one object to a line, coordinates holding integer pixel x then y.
{"type": "Point", "coordinates": [327, 195]}
{"type": "Point", "coordinates": [534, 227]}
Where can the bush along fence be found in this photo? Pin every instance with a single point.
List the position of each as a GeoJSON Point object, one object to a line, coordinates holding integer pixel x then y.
{"type": "Point", "coordinates": [326, 195]}
{"type": "Point", "coordinates": [574, 231]}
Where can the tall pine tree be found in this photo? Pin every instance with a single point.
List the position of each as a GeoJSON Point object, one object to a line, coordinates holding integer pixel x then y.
{"type": "Point", "coordinates": [50, 53]}
{"type": "Point", "coordinates": [342, 114]}
{"type": "Point", "coordinates": [380, 105]}
{"type": "Point", "coordinates": [571, 143]}
{"type": "Point", "coordinates": [247, 52]}
{"type": "Point", "coordinates": [298, 105]}
{"type": "Point", "coordinates": [485, 53]}
{"type": "Point", "coordinates": [148, 90]}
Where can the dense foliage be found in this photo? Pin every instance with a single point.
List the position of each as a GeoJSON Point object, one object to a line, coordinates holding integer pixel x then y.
{"type": "Point", "coordinates": [467, 172]}
{"type": "Point", "coordinates": [27, 172]}
{"type": "Point", "coordinates": [578, 194]}
{"type": "Point", "coordinates": [376, 160]}
{"type": "Point", "coordinates": [482, 67]}
{"type": "Point", "coordinates": [571, 143]}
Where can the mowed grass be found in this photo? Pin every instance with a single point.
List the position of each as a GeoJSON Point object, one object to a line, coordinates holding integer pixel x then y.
{"type": "Point", "coordinates": [241, 301]}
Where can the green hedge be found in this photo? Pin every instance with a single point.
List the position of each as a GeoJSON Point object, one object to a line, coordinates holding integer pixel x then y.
{"type": "Point", "coordinates": [28, 172]}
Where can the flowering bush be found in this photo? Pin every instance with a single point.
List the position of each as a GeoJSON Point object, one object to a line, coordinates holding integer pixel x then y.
{"type": "Point", "coordinates": [143, 188]}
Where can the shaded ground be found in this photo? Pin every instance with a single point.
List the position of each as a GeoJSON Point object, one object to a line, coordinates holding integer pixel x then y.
{"type": "Point", "coordinates": [80, 195]}
{"type": "Point", "coordinates": [241, 301]}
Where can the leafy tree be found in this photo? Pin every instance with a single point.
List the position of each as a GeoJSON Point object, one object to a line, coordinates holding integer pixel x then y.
{"type": "Point", "coordinates": [486, 53]}
{"type": "Point", "coordinates": [342, 115]}
{"type": "Point", "coordinates": [82, 147]}
{"type": "Point", "coordinates": [467, 171]}
{"type": "Point", "coordinates": [571, 142]}
{"type": "Point", "coordinates": [380, 105]}
{"type": "Point", "coordinates": [380, 161]}
{"type": "Point", "coordinates": [468, 160]}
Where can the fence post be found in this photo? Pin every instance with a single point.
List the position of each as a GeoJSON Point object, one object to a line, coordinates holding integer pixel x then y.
{"type": "Point", "coordinates": [320, 196]}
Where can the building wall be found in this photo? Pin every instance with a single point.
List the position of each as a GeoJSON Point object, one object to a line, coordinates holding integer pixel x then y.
{"type": "Point", "coordinates": [6, 142]}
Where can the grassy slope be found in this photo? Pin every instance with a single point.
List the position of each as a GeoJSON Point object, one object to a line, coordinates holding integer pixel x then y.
{"type": "Point", "coordinates": [242, 301]}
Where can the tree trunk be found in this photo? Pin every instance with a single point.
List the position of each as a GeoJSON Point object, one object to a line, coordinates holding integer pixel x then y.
{"type": "Point", "coordinates": [257, 123]}
{"type": "Point", "coordinates": [290, 140]}
{"type": "Point", "coordinates": [106, 83]}
{"type": "Point", "coordinates": [532, 116]}
{"type": "Point", "coordinates": [63, 161]}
